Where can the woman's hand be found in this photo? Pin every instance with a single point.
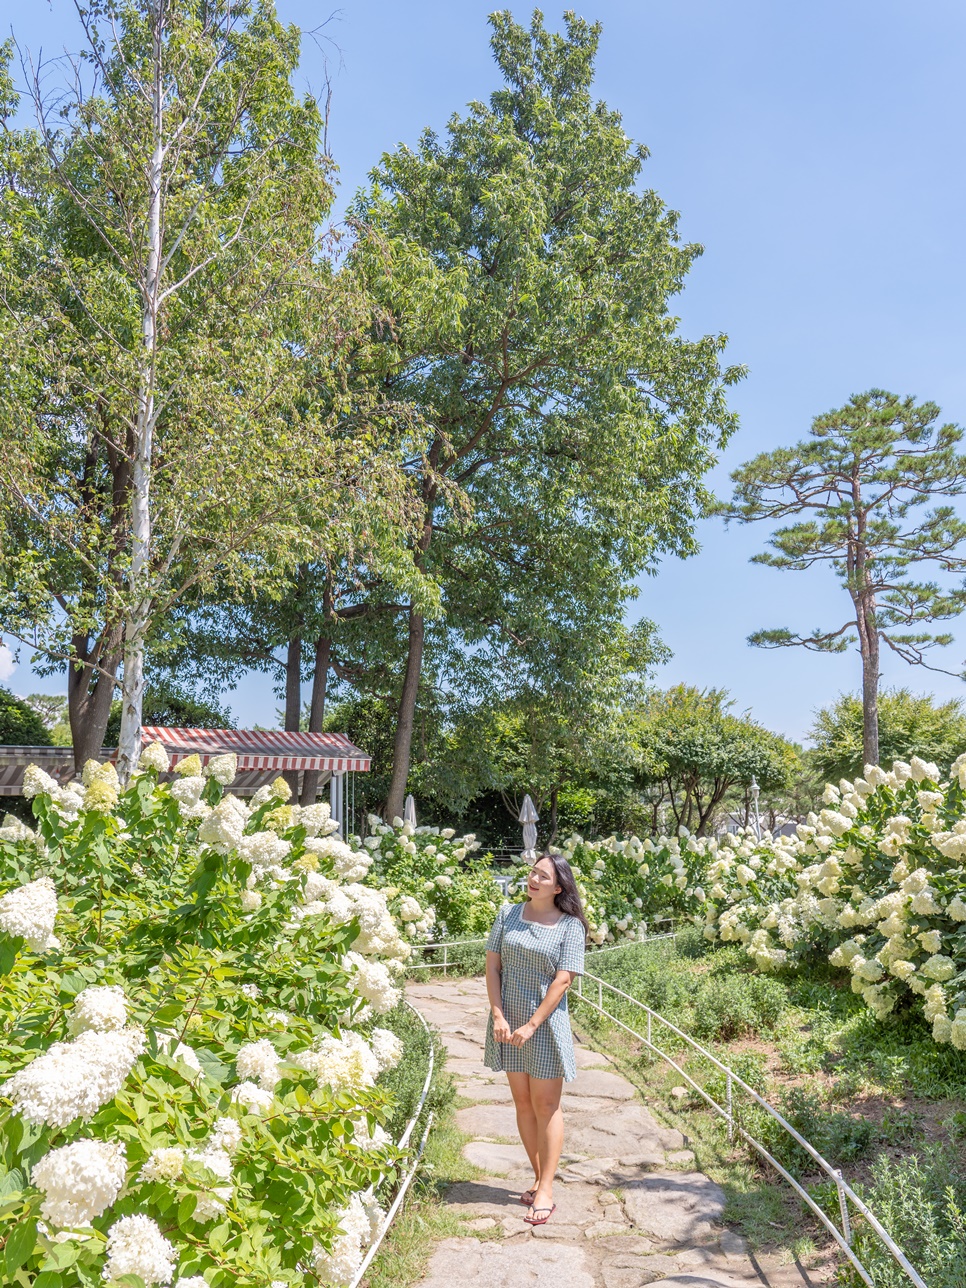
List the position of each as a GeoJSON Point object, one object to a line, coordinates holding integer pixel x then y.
{"type": "Point", "coordinates": [501, 1030]}
{"type": "Point", "coordinates": [523, 1033]}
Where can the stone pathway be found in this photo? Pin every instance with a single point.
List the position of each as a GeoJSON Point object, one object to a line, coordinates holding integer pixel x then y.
{"type": "Point", "coordinates": [631, 1209]}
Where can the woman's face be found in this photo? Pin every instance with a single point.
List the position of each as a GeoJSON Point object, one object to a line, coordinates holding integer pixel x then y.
{"type": "Point", "coordinates": [542, 880]}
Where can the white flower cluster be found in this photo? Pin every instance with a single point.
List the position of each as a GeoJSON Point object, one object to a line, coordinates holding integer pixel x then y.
{"type": "Point", "coordinates": [826, 886]}
{"type": "Point", "coordinates": [372, 980]}
{"type": "Point", "coordinates": [259, 1060]}
{"type": "Point", "coordinates": [224, 826]}
{"type": "Point", "coordinates": [80, 1181]}
{"type": "Point", "coordinates": [136, 1246]}
{"type": "Point", "coordinates": [29, 912]}
{"type": "Point", "coordinates": [154, 757]}
{"type": "Point", "coordinates": [100, 1007]}
{"type": "Point", "coordinates": [349, 1063]}
{"type": "Point", "coordinates": [349, 864]}
{"type": "Point", "coordinates": [68, 800]}
{"type": "Point", "coordinates": [74, 1079]}
{"type": "Point", "coordinates": [359, 1222]}
{"type": "Point", "coordinates": [223, 769]}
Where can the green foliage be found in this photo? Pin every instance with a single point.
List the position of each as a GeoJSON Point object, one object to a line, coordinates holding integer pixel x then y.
{"type": "Point", "coordinates": [567, 425]}
{"type": "Point", "coordinates": [921, 1201]}
{"type": "Point", "coordinates": [428, 866]}
{"type": "Point", "coordinates": [692, 751]}
{"type": "Point", "coordinates": [154, 897]}
{"type": "Point", "coordinates": [731, 1006]}
{"type": "Point", "coordinates": [909, 725]}
{"type": "Point", "coordinates": [20, 725]}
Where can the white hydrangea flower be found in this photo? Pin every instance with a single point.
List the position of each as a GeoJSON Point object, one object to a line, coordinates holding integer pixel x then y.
{"type": "Point", "coordinates": [254, 1099]}
{"type": "Point", "coordinates": [344, 1064]}
{"type": "Point", "coordinates": [223, 827]}
{"type": "Point", "coordinates": [251, 901]}
{"type": "Point", "coordinates": [193, 1281]}
{"type": "Point", "coordinates": [957, 909]}
{"type": "Point", "coordinates": [263, 850]}
{"type": "Point", "coordinates": [226, 1135]}
{"type": "Point", "coordinates": [259, 1060]}
{"type": "Point", "coordinates": [74, 1079]}
{"type": "Point", "coordinates": [317, 819]}
{"type": "Point", "coordinates": [163, 1165]}
{"type": "Point", "coordinates": [136, 1246]}
{"type": "Point", "coordinates": [154, 757]}
{"type": "Point", "coordinates": [938, 967]}
{"type": "Point", "coordinates": [170, 1044]}
{"type": "Point", "coordinates": [187, 791]}
{"type": "Point", "coordinates": [37, 783]}
{"type": "Point", "coordinates": [80, 1181]}
{"type": "Point", "coordinates": [387, 1048]}
{"type": "Point", "coordinates": [923, 769]}
{"type": "Point", "coordinates": [101, 1007]}
{"type": "Point", "coordinates": [931, 941]}
{"type": "Point", "coordinates": [222, 769]}
{"type": "Point", "coordinates": [338, 1266]}
{"type": "Point", "coordinates": [29, 912]}
{"type": "Point", "coordinates": [373, 981]}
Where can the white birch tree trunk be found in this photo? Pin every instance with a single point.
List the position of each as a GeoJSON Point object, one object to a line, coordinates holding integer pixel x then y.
{"type": "Point", "coordinates": [138, 614]}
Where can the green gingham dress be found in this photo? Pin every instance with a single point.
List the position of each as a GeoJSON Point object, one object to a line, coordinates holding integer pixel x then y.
{"type": "Point", "coordinates": [531, 955]}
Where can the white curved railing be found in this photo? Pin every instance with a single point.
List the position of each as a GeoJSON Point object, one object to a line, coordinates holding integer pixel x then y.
{"type": "Point", "coordinates": [401, 1144]}
{"type": "Point", "coordinates": [846, 1194]}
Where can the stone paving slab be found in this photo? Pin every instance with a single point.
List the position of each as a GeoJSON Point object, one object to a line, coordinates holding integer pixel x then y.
{"type": "Point", "coordinates": [626, 1215]}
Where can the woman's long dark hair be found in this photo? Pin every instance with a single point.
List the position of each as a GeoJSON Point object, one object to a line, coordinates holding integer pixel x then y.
{"type": "Point", "coordinates": [568, 900]}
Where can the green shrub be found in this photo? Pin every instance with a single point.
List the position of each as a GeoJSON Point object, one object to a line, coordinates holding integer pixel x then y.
{"type": "Point", "coordinates": [921, 1201]}
{"type": "Point", "coordinates": [732, 1006]}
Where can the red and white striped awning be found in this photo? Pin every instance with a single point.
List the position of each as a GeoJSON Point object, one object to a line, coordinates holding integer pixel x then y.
{"type": "Point", "coordinates": [262, 748]}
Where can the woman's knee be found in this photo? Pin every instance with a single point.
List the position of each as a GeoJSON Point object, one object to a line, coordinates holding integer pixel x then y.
{"type": "Point", "coordinates": [520, 1090]}
{"type": "Point", "coordinates": [545, 1096]}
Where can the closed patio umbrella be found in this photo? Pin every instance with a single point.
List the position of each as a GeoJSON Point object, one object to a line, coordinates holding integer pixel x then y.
{"type": "Point", "coordinates": [529, 818]}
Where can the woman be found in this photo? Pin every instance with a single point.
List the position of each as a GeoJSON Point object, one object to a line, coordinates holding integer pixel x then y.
{"type": "Point", "coordinates": [534, 953]}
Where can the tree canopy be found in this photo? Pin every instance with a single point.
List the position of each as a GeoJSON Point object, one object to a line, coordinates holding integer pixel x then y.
{"type": "Point", "coordinates": [909, 725]}
{"type": "Point", "coordinates": [860, 480]}
{"type": "Point", "coordinates": [568, 425]}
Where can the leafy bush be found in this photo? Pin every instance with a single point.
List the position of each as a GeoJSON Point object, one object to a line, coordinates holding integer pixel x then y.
{"type": "Point", "coordinates": [876, 882]}
{"type": "Point", "coordinates": [436, 868]}
{"type": "Point", "coordinates": [190, 993]}
{"type": "Point", "coordinates": [629, 885]}
{"type": "Point", "coordinates": [732, 1006]}
{"type": "Point", "coordinates": [921, 1201]}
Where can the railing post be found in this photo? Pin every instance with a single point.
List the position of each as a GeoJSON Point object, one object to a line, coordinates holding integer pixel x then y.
{"type": "Point", "coordinates": [844, 1209]}
{"type": "Point", "coordinates": [445, 958]}
{"type": "Point", "coordinates": [649, 1028]}
{"type": "Point", "coordinates": [731, 1121]}
{"type": "Point", "coordinates": [600, 995]}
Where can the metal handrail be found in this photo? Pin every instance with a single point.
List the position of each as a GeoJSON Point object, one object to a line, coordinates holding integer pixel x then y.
{"type": "Point", "coordinates": [845, 1192]}
{"type": "Point", "coordinates": [470, 943]}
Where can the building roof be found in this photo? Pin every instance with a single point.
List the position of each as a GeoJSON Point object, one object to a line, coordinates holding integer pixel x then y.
{"type": "Point", "coordinates": [262, 754]}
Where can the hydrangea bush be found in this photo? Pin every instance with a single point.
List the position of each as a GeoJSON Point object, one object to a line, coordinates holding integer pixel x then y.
{"type": "Point", "coordinates": [876, 880]}
{"type": "Point", "coordinates": [191, 989]}
{"type": "Point", "coordinates": [435, 886]}
{"type": "Point", "coordinates": [628, 885]}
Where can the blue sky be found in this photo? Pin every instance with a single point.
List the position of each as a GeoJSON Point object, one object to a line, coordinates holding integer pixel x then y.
{"type": "Point", "coordinates": [814, 150]}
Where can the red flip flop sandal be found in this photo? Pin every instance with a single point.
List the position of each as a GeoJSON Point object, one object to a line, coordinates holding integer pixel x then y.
{"type": "Point", "coordinates": [527, 1197]}
{"type": "Point", "coordinates": [540, 1220]}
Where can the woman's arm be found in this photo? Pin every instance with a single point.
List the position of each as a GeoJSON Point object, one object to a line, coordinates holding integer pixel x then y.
{"type": "Point", "coordinates": [494, 991]}
{"type": "Point", "coordinates": [558, 986]}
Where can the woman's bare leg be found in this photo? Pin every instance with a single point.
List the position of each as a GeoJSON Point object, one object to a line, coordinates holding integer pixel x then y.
{"type": "Point", "coordinates": [526, 1120]}
{"type": "Point", "coordinates": [545, 1099]}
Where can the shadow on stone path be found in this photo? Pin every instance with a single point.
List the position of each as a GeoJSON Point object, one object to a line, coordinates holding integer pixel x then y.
{"type": "Point", "coordinates": [630, 1209]}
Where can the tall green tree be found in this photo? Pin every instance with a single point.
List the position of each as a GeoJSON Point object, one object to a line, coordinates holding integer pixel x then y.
{"type": "Point", "coordinates": [909, 725]}
{"type": "Point", "coordinates": [172, 404]}
{"type": "Point", "coordinates": [692, 751]}
{"type": "Point", "coordinates": [568, 423]}
{"type": "Point", "coordinates": [859, 483]}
